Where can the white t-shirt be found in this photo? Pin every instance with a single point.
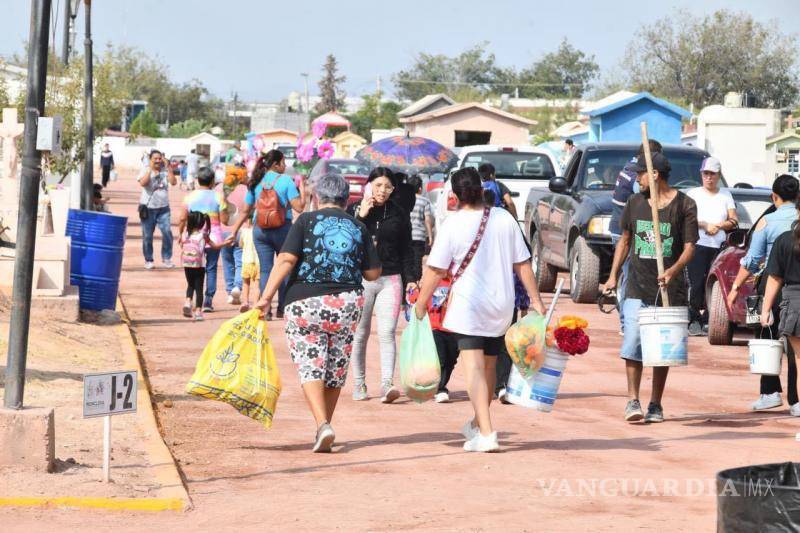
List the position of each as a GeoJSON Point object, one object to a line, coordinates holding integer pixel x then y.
{"type": "Point", "coordinates": [483, 297]}
{"type": "Point", "coordinates": [711, 208]}
{"type": "Point", "coordinates": [192, 164]}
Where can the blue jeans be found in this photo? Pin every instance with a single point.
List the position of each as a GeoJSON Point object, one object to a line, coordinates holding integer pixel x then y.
{"type": "Point", "coordinates": [160, 217]}
{"type": "Point", "coordinates": [268, 244]}
{"type": "Point", "coordinates": [232, 266]}
{"type": "Point", "coordinates": [631, 341]}
{"type": "Point", "coordinates": [212, 258]}
{"type": "Point", "coordinates": [622, 283]}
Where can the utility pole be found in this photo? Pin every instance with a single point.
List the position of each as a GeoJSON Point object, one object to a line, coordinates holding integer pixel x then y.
{"type": "Point", "coordinates": [39, 40]}
{"type": "Point", "coordinates": [65, 37]}
{"type": "Point", "coordinates": [87, 181]}
{"type": "Point", "coordinates": [378, 92]}
{"type": "Point", "coordinates": [305, 75]}
{"type": "Point", "coordinates": [235, 132]}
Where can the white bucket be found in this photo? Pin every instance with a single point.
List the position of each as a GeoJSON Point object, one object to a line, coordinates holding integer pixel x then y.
{"type": "Point", "coordinates": [765, 356]}
{"type": "Point", "coordinates": [664, 333]}
{"type": "Point", "coordinates": [540, 390]}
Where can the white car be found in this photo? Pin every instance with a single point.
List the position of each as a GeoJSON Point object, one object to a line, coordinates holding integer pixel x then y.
{"type": "Point", "coordinates": [520, 168]}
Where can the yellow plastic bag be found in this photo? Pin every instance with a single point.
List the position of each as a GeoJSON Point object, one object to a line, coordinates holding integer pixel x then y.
{"type": "Point", "coordinates": [238, 367]}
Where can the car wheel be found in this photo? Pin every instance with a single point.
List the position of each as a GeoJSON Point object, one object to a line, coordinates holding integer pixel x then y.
{"type": "Point", "coordinates": [720, 328]}
{"type": "Point", "coordinates": [546, 274]}
{"type": "Point", "coordinates": [584, 272]}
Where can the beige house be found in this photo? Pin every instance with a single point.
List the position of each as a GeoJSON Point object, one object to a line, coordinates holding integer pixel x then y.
{"type": "Point", "coordinates": [279, 136]}
{"type": "Point", "coordinates": [347, 144]}
{"type": "Point", "coordinates": [469, 124]}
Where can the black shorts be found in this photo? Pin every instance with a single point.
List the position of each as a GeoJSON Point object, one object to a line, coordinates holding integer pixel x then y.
{"type": "Point", "coordinates": [489, 345]}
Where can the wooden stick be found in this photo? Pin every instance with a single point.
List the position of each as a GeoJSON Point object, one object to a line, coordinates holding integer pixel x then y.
{"type": "Point", "coordinates": [654, 210]}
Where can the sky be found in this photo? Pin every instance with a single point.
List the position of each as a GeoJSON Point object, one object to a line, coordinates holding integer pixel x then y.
{"type": "Point", "coordinates": [260, 48]}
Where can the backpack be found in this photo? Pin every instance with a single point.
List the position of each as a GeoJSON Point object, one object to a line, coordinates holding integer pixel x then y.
{"type": "Point", "coordinates": [193, 250]}
{"type": "Point", "coordinates": [492, 186]}
{"type": "Point", "coordinates": [270, 213]}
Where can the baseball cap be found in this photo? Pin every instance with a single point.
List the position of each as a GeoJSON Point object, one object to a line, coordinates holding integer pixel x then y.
{"type": "Point", "coordinates": [710, 164]}
{"type": "Point", "coordinates": [660, 163]}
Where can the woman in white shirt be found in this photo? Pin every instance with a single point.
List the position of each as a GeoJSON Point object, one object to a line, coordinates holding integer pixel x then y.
{"type": "Point", "coordinates": [482, 301]}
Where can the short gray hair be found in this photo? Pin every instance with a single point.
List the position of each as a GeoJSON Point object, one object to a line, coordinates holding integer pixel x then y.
{"type": "Point", "coordinates": [332, 189]}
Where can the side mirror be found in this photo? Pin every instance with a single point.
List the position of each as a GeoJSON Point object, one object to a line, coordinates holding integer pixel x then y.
{"type": "Point", "coordinates": [558, 185]}
{"type": "Point", "coordinates": [737, 238]}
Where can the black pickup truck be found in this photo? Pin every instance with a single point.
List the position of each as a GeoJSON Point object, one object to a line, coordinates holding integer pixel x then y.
{"type": "Point", "coordinates": [568, 225]}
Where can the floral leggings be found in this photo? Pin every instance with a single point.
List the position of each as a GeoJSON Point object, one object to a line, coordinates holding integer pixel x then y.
{"type": "Point", "coordinates": [320, 333]}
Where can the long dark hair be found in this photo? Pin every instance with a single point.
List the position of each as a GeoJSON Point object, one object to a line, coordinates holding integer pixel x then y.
{"type": "Point", "coordinates": [467, 186]}
{"type": "Point", "coordinates": [382, 172]}
{"type": "Point", "coordinates": [263, 164]}
{"type": "Point", "coordinates": [197, 221]}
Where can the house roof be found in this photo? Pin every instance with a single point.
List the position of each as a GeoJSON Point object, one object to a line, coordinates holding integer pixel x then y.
{"type": "Point", "coordinates": [567, 129]}
{"type": "Point", "coordinates": [635, 98]}
{"type": "Point", "coordinates": [605, 101]}
{"type": "Point", "coordinates": [782, 137]}
{"type": "Point", "coordinates": [201, 135]}
{"type": "Point", "coordinates": [332, 118]}
{"type": "Point", "coordinates": [458, 108]}
{"type": "Point", "coordinates": [278, 130]}
{"type": "Point", "coordinates": [349, 135]}
{"type": "Point", "coordinates": [423, 103]}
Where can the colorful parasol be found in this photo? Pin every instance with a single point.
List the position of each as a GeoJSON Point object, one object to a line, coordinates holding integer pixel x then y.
{"type": "Point", "coordinates": [408, 154]}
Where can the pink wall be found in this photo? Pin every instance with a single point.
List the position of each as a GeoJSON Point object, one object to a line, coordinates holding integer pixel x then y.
{"type": "Point", "coordinates": [442, 129]}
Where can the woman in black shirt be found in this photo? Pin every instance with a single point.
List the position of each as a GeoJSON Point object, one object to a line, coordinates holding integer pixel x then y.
{"type": "Point", "coordinates": [390, 228]}
{"type": "Point", "coordinates": [325, 255]}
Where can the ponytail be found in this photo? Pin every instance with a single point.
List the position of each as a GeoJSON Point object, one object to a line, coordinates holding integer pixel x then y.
{"type": "Point", "coordinates": [264, 163]}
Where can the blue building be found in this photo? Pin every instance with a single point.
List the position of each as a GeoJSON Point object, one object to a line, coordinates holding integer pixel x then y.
{"type": "Point", "coordinates": [620, 121]}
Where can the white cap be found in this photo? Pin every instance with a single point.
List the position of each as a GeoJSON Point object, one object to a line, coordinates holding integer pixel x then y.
{"type": "Point", "coordinates": [710, 164]}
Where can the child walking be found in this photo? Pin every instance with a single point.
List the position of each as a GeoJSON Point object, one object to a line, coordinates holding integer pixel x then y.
{"type": "Point", "coordinates": [421, 223]}
{"type": "Point", "coordinates": [194, 242]}
{"type": "Point", "coordinates": [250, 265]}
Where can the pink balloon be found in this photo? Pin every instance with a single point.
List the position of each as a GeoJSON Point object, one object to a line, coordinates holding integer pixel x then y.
{"type": "Point", "coordinates": [318, 129]}
{"type": "Point", "coordinates": [258, 144]}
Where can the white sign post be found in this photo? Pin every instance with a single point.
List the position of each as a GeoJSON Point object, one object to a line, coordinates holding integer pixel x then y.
{"type": "Point", "coordinates": [107, 394]}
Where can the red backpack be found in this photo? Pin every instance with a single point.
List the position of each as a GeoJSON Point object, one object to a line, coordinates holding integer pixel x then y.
{"type": "Point", "coordinates": [270, 213]}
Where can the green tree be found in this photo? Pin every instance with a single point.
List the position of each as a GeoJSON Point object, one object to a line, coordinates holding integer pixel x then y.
{"type": "Point", "coordinates": [188, 128]}
{"type": "Point", "coordinates": [374, 115]}
{"type": "Point", "coordinates": [145, 124]}
{"type": "Point", "coordinates": [330, 86]}
{"type": "Point", "coordinates": [697, 60]}
{"type": "Point", "coordinates": [565, 73]}
{"type": "Point", "coordinates": [5, 100]}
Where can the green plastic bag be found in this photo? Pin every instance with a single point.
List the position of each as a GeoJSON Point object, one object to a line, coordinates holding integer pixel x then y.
{"type": "Point", "coordinates": [419, 362]}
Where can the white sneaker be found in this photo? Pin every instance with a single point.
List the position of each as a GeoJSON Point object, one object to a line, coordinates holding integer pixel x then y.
{"type": "Point", "coordinates": [482, 443]}
{"type": "Point", "coordinates": [502, 395]}
{"type": "Point", "coordinates": [795, 409]}
{"type": "Point", "coordinates": [390, 394]}
{"type": "Point", "coordinates": [469, 431]}
{"type": "Point", "coordinates": [441, 397]}
{"type": "Point", "coordinates": [325, 438]}
{"type": "Point", "coordinates": [230, 300]}
{"type": "Point", "coordinates": [235, 296]}
{"type": "Point", "coordinates": [148, 265]}
{"type": "Point", "coordinates": [767, 401]}
{"type": "Point", "coordinates": [169, 264]}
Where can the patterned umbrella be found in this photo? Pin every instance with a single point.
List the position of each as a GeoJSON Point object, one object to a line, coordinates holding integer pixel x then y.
{"type": "Point", "coordinates": [408, 154]}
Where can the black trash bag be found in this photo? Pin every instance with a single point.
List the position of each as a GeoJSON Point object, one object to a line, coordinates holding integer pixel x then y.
{"type": "Point", "coordinates": [759, 498]}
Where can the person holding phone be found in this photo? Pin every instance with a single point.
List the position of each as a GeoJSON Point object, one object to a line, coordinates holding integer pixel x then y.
{"type": "Point", "coordinates": [155, 180]}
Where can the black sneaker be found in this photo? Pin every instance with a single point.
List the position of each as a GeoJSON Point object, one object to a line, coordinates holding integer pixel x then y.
{"type": "Point", "coordinates": [655, 413]}
{"type": "Point", "coordinates": [695, 329]}
{"type": "Point", "coordinates": [633, 411]}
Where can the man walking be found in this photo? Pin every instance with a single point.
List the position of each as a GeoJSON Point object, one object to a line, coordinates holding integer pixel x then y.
{"type": "Point", "coordinates": [192, 166]}
{"type": "Point", "coordinates": [106, 164]}
{"type": "Point", "coordinates": [155, 180]}
{"type": "Point", "coordinates": [213, 204]}
{"type": "Point", "coordinates": [716, 214]}
{"type": "Point", "coordinates": [678, 228]}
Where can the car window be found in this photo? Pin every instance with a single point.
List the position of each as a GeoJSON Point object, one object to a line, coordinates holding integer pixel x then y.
{"type": "Point", "coordinates": [572, 167]}
{"type": "Point", "coordinates": [290, 152]}
{"type": "Point", "coordinates": [511, 165]}
{"type": "Point", "coordinates": [348, 167]}
{"type": "Point", "coordinates": [603, 166]}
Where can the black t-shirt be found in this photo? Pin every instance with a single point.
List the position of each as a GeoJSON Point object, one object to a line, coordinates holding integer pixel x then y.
{"type": "Point", "coordinates": [390, 227]}
{"type": "Point", "coordinates": [783, 261]}
{"type": "Point", "coordinates": [333, 250]}
{"type": "Point", "coordinates": [678, 222]}
{"type": "Point", "coordinates": [405, 196]}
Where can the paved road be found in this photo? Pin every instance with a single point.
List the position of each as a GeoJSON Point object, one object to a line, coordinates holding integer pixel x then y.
{"type": "Point", "coordinates": [401, 466]}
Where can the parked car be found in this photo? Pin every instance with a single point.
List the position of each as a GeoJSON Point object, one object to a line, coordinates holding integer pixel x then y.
{"type": "Point", "coordinates": [723, 319]}
{"type": "Point", "coordinates": [354, 171]}
{"type": "Point", "coordinates": [289, 152]}
{"type": "Point", "coordinates": [568, 224]}
{"type": "Point", "coordinates": [175, 161]}
{"type": "Point", "coordinates": [520, 168]}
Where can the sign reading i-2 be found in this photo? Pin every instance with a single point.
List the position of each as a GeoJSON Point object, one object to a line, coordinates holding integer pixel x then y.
{"type": "Point", "coordinates": [110, 393]}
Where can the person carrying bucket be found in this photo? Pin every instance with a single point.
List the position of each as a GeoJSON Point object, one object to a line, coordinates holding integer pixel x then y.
{"type": "Point", "coordinates": [677, 214]}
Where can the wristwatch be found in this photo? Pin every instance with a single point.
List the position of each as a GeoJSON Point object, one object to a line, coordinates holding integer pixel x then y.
{"type": "Point", "coordinates": [735, 287]}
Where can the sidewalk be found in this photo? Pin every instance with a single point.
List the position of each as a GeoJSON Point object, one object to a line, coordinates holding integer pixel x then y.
{"type": "Point", "coordinates": [401, 466]}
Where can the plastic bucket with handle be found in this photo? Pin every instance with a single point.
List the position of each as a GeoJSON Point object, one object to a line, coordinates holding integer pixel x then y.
{"type": "Point", "coordinates": [664, 333]}
{"type": "Point", "coordinates": [540, 390]}
{"type": "Point", "coordinates": [765, 355]}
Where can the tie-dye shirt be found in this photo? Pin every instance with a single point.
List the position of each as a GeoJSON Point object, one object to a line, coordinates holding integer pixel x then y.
{"type": "Point", "coordinates": [208, 202]}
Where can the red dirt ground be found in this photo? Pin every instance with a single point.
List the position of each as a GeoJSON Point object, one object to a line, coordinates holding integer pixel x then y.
{"type": "Point", "coordinates": [401, 466]}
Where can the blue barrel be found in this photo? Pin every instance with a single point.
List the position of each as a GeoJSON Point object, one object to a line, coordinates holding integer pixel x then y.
{"type": "Point", "coordinates": [98, 241]}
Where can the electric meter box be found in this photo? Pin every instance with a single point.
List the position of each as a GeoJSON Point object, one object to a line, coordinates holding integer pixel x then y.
{"type": "Point", "coordinates": [48, 137]}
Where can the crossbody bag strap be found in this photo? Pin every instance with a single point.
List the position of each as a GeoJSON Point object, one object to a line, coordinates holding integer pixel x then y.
{"type": "Point", "coordinates": [474, 248]}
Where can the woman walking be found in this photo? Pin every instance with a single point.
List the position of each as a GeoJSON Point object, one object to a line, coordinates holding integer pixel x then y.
{"type": "Point", "coordinates": [268, 177]}
{"type": "Point", "coordinates": [389, 227]}
{"type": "Point", "coordinates": [326, 255]}
{"type": "Point", "coordinates": [482, 248]}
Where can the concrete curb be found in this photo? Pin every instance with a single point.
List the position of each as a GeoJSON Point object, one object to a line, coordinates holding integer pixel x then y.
{"type": "Point", "coordinates": [164, 465]}
{"type": "Point", "coordinates": [114, 504]}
